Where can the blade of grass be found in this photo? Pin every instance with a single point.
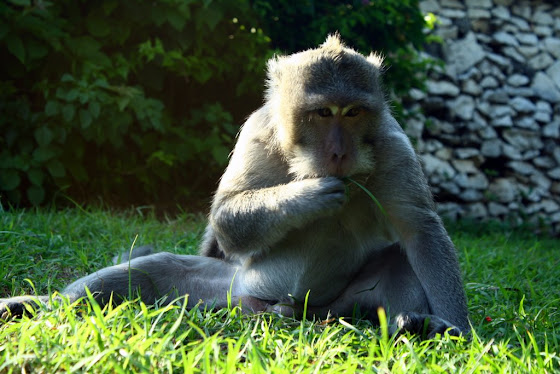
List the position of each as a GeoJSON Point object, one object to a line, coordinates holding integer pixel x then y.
{"type": "Point", "coordinates": [371, 196]}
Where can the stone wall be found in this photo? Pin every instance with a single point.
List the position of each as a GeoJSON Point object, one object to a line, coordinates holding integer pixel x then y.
{"type": "Point", "coordinates": [490, 133]}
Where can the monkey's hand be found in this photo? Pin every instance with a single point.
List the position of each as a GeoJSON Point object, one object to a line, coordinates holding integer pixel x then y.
{"type": "Point", "coordinates": [253, 220]}
{"type": "Point", "coordinates": [16, 307]}
{"type": "Point", "coordinates": [318, 197]}
{"type": "Point", "coordinates": [425, 325]}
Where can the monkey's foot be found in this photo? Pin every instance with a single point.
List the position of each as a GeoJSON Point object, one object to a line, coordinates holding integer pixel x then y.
{"type": "Point", "coordinates": [16, 307]}
{"type": "Point", "coordinates": [425, 325]}
{"type": "Point", "coordinates": [250, 304]}
{"type": "Point", "coordinates": [285, 309]}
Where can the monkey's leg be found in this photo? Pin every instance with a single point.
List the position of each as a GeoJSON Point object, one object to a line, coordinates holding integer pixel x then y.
{"type": "Point", "coordinates": [386, 280]}
{"type": "Point", "coordinates": [16, 306]}
{"type": "Point", "coordinates": [390, 282]}
{"type": "Point", "coordinates": [153, 277]}
{"type": "Point", "coordinates": [161, 275]}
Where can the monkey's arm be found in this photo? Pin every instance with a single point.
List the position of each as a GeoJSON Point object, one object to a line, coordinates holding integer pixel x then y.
{"type": "Point", "coordinates": [432, 257]}
{"type": "Point", "coordinates": [257, 201]}
{"type": "Point", "coordinates": [253, 220]}
{"type": "Point", "coordinates": [429, 249]}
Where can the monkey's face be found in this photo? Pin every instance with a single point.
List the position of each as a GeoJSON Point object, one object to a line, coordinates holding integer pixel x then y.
{"type": "Point", "coordinates": [329, 104]}
{"type": "Point", "coordinates": [332, 139]}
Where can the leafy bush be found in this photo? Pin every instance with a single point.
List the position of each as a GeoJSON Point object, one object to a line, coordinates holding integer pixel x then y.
{"type": "Point", "coordinates": [120, 97]}
{"type": "Point", "coordinates": [140, 100]}
{"type": "Point", "coordinates": [391, 27]}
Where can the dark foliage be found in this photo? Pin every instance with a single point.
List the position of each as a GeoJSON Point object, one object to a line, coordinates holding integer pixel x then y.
{"type": "Point", "coordinates": [139, 101]}
{"type": "Point", "coordinates": [393, 28]}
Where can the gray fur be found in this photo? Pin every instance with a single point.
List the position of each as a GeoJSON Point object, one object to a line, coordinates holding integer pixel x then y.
{"type": "Point", "coordinates": [134, 253]}
{"type": "Point", "coordinates": [285, 222]}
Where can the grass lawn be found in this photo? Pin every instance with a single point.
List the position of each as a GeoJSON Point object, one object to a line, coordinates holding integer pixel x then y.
{"type": "Point", "coordinates": [512, 283]}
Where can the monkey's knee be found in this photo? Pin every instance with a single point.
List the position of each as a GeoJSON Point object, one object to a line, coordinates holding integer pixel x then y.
{"type": "Point", "coordinates": [399, 286]}
{"type": "Point", "coordinates": [114, 284]}
{"type": "Point", "coordinates": [124, 257]}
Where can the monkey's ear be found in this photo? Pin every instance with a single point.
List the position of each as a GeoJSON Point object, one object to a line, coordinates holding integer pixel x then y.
{"type": "Point", "coordinates": [274, 73]}
{"type": "Point", "coordinates": [376, 60]}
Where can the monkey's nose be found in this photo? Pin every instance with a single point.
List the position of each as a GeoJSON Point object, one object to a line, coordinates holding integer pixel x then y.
{"type": "Point", "coordinates": [338, 158]}
{"type": "Point", "coordinates": [337, 164]}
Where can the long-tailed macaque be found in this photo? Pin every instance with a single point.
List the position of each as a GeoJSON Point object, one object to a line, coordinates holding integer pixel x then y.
{"type": "Point", "coordinates": [291, 220]}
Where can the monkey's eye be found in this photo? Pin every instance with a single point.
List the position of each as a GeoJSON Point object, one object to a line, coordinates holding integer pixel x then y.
{"type": "Point", "coordinates": [353, 112]}
{"type": "Point", "coordinates": [324, 112]}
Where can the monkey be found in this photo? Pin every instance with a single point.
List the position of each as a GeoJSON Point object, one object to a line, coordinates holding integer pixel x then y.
{"type": "Point", "coordinates": [323, 203]}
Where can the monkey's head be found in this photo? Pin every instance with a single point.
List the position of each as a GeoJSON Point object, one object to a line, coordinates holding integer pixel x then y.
{"type": "Point", "coordinates": [326, 104]}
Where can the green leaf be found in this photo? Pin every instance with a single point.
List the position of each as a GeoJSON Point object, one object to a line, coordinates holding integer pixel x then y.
{"type": "Point", "coordinates": [51, 108]}
{"type": "Point", "coordinates": [210, 16]}
{"type": "Point", "coordinates": [160, 155]}
{"type": "Point", "coordinates": [97, 26]}
{"type": "Point", "coordinates": [176, 20]}
{"type": "Point", "coordinates": [67, 78]}
{"type": "Point", "coordinates": [36, 50]}
{"type": "Point", "coordinates": [4, 29]}
{"type": "Point", "coordinates": [89, 49]}
{"type": "Point", "coordinates": [84, 97]}
{"type": "Point", "coordinates": [21, 2]}
{"type": "Point", "coordinates": [43, 136]}
{"type": "Point", "coordinates": [84, 46]}
{"type": "Point", "coordinates": [56, 169]}
{"type": "Point", "coordinates": [430, 20]}
{"type": "Point", "coordinates": [123, 102]}
{"type": "Point", "coordinates": [220, 154]}
{"type": "Point", "coordinates": [85, 118]}
{"type": "Point", "coordinates": [94, 109]}
{"type": "Point", "coordinates": [36, 176]}
{"type": "Point", "coordinates": [60, 93]}
{"type": "Point", "coordinates": [68, 112]}
{"type": "Point", "coordinates": [6, 160]}
{"type": "Point", "coordinates": [100, 82]}
{"type": "Point", "coordinates": [20, 162]}
{"type": "Point", "coordinates": [371, 196]}
{"type": "Point", "coordinates": [72, 95]}
{"type": "Point", "coordinates": [36, 195]}
{"type": "Point", "coordinates": [109, 6]}
{"type": "Point", "coordinates": [157, 15]}
{"type": "Point", "coordinates": [60, 134]}
{"type": "Point", "coordinates": [16, 47]}
{"type": "Point", "coordinates": [43, 154]}
{"type": "Point", "coordinates": [9, 179]}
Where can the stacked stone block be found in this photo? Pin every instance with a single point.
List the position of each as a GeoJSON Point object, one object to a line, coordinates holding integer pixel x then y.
{"type": "Point", "coordinates": [489, 137]}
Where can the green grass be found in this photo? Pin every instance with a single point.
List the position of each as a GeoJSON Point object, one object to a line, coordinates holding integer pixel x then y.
{"type": "Point", "coordinates": [512, 283]}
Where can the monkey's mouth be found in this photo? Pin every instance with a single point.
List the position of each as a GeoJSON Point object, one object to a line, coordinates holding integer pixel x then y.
{"type": "Point", "coordinates": [340, 166]}
{"type": "Point", "coordinates": [338, 171]}
{"type": "Point", "coordinates": [305, 164]}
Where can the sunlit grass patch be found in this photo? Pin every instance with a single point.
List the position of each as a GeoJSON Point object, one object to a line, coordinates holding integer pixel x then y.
{"type": "Point", "coordinates": [512, 281]}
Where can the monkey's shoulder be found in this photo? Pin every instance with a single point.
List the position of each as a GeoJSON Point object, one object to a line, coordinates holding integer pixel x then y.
{"type": "Point", "coordinates": [255, 161]}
